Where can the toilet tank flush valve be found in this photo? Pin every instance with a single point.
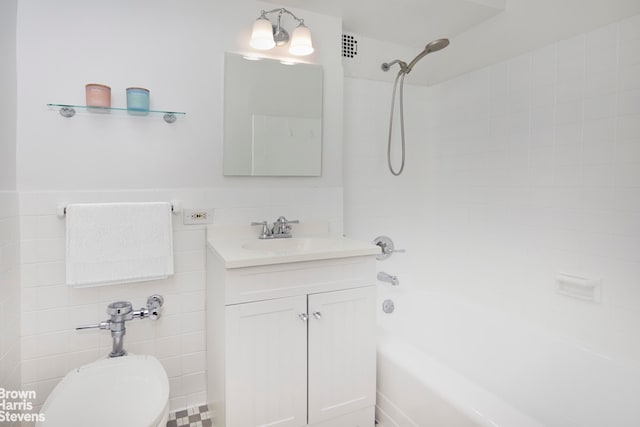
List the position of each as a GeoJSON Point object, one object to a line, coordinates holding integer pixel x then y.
{"type": "Point", "coordinates": [121, 311]}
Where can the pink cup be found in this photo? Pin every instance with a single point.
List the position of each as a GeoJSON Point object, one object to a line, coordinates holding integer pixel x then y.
{"type": "Point", "coordinates": [98, 95]}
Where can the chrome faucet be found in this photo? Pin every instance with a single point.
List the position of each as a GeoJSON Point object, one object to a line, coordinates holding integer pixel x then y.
{"type": "Point", "coordinates": [281, 228]}
{"type": "Point", "coordinates": [121, 311]}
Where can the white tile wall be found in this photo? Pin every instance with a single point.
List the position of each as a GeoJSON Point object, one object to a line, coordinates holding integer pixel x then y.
{"type": "Point", "coordinates": [9, 292]}
{"type": "Point", "coordinates": [515, 173]}
{"type": "Point", "coordinates": [50, 310]}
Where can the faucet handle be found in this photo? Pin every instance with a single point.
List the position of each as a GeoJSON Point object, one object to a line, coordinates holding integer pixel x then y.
{"type": "Point", "coordinates": [266, 232]}
{"type": "Point", "coordinates": [386, 247]}
{"type": "Point", "coordinates": [287, 225]}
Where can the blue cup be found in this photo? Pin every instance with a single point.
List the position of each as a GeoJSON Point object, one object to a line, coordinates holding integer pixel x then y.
{"type": "Point", "coordinates": [138, 101]}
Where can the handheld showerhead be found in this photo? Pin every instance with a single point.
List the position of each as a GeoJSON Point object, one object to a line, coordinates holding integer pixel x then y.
{"type": "Point", "coordinates": [432, 46]}
{"type": "Point", "coordinates": [436, 45]}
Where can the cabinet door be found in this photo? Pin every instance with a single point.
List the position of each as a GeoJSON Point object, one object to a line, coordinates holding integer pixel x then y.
{"type": "Point", "coordinates": [342, 352]}
{"type": "Point", "coordinates": [266, 363]}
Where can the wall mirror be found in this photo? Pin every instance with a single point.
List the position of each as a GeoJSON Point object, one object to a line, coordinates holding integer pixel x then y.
{"type": "Point", "coordinates": [272, 118]}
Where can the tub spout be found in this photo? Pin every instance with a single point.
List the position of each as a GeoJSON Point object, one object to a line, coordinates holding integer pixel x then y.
{"type": "Point", "coordinates": [386, 277]}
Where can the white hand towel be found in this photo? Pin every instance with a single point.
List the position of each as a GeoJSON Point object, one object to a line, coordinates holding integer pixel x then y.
{"type": "Point", "coordinates": [112, 243]}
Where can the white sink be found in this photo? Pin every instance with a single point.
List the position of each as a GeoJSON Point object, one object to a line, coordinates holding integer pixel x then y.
{"type": "Point", "coordinates": [240, 247]}
{"type": "Point", "coordinates": [303, 244]}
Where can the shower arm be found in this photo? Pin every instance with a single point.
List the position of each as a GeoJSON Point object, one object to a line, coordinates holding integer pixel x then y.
{"type": "Point", "coordinates": [403, 65]}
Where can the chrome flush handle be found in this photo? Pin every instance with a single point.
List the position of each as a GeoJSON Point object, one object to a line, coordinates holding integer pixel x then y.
{"type": "Point", "coordinates": [102, 325]}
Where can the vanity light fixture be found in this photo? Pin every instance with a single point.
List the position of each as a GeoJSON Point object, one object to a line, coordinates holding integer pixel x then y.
{"type": "Point", "coordinates": [266, 35]}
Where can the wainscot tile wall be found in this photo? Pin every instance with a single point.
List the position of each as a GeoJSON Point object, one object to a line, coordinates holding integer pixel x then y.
{"type": "Point", "coordinates": [9, 292]}
{"type": "Point", "coordinates": [51, 310]}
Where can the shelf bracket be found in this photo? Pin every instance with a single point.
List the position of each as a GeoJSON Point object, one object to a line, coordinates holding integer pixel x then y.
{"type": "Point", "coordinates": [67, 112]}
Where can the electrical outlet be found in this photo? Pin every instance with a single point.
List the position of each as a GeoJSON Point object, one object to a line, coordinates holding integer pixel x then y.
{"type": "Point", "coordinates": [197, 216]}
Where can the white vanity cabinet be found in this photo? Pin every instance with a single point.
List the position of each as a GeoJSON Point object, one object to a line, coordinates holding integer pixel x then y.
{"type": "Point", "coordinates": [266, 363]}
{"type": "Point", "coordinates": [291, 344]}
{"type": "Point", "coordinates": [341, 353]}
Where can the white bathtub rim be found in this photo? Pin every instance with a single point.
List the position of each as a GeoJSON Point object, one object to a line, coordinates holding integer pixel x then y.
{"type": "Point", "coordinates": [469, 398]}
{"type": "Point", "coordinates": [389, 415]}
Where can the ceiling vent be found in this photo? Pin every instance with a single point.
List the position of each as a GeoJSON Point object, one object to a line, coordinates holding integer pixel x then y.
{"type": "Point", "coordinates": [349, 46]}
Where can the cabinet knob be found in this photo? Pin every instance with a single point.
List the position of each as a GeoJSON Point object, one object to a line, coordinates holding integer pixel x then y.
{"type": "Point", "coordinates": [317, 314]}
{"type": "Point", "coordinates": [303, 317]}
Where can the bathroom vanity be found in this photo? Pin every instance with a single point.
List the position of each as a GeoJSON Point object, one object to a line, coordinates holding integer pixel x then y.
{"type": "Point", "coordinates": [290, 328]}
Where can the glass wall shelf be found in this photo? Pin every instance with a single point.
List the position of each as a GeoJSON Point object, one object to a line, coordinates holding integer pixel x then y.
{"type": "Point", "coordinates": [67, 110]}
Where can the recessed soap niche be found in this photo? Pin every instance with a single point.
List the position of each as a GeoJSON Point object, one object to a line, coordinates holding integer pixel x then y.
{"type": "Point", "coordinates": [583, 288]}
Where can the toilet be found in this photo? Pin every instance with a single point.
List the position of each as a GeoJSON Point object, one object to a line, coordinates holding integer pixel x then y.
{"type": "Point", "coordinates": [127, 391]}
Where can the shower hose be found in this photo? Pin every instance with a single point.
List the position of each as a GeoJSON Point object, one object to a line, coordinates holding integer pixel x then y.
{"type": "Point", "coordinates": [399, 77]}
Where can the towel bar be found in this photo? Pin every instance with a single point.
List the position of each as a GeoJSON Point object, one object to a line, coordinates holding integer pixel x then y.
{"type": "Point", "coordinates": [176, 208]}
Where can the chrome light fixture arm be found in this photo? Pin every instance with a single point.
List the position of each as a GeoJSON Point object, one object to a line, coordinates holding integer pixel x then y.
{"type": "Point", "coordinates": [280, 35]}
{"type": "Point", "coordinates": [281, 11]}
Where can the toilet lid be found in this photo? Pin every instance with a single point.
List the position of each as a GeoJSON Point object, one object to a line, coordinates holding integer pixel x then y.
{"type": "Point", "coordinates": [123, 391]}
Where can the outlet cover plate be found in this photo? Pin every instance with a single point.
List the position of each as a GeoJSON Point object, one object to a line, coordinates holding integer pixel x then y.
{"type": "Point", "coordinates": [197, 216]}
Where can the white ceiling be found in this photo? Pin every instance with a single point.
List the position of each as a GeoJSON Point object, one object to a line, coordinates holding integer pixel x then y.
{"type": "Point", "coordinates": [406, 22]}
{"type": "Point", "coordinates": [482, 32]}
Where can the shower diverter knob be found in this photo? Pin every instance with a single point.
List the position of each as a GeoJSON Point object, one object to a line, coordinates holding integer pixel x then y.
{"type": "Point", "coordinates": [386, 246]}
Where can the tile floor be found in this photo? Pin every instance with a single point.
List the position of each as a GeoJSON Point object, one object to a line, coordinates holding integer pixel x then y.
{"type": "Point", "coordinates": [198, 416]}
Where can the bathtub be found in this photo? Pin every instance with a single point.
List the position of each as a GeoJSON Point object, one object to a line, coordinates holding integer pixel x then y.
{"type": "Point", "coordinates": [444, 363]}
